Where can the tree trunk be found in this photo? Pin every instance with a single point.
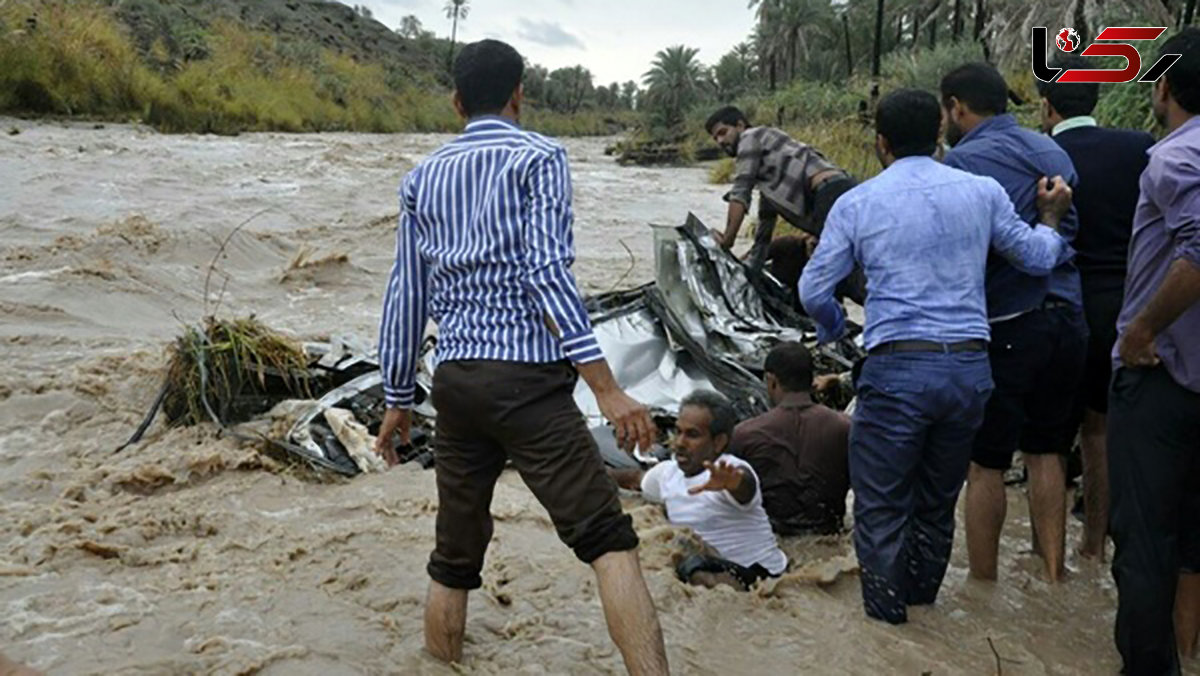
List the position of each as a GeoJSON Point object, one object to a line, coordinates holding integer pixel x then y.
{"type": "Point", "coordinates": [933, 32]}
{"type": "Point", "coordinates": [771, 73]}
{"type": "Point", "coordinates": [981, 20]}
{"type": "Point", "coordinates": [878, 38]}
{"type": "Point", "coordinates": [918, 20]}
{"type": "Point", "coordinates": [1079, 21]}
{"type": "Point", "coordinates": [956, 21]}
{"type": "Point", "coordinates": [849, 54]}
{"type": "Point", "coordinates": [1189, 12]}
{"type": "Point", "coordinates": [453, 37]}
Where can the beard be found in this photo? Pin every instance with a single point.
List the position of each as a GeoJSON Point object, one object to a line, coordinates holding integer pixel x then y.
{"type": "Point", "coordinates": [731, 147]}
{"type": "Point", "coordinates": [954, 134]}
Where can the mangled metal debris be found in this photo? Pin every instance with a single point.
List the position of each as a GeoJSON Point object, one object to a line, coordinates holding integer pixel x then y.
{"type": "Point", "coordinates": [704, 323]}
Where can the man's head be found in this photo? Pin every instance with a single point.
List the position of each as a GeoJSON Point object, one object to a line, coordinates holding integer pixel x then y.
{"type": "Point", "coordinates": [907, 124]}
{"type": "Point", "coordinates": [726, 126]}
{"type": "Point", "coordinates": [702, 431]}
{"type": "Point", "coordinates": [1064, 100]}
{"type": "Point", "coordinates": [1177, 94]}
{"type": "Point", "coordinates": [487, 80]}
{"type": "Point", "coordinates": [788, 369]}
{"type": "Point", "coordinates": [970, 94]}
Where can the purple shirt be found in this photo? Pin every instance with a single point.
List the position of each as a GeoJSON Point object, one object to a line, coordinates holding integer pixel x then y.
{"type": "Point", "coordinates": [1166, 227]}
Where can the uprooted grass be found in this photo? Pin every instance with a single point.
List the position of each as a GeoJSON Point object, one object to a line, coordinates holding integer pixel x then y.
{"type": "Point", "coordinates": [210, 366]}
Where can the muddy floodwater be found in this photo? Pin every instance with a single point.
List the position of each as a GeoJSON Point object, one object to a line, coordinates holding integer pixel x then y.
{"type": "Point", "coordinates": [189, 554]}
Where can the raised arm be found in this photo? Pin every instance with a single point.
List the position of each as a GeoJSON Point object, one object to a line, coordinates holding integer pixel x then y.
{"type": "Point", "coordinates": [1038, 250]}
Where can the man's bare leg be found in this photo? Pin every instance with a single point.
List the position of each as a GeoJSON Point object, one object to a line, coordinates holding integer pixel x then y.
{"type": "Point", "coordinates": [1094, 440]}
{"type": "Point", "coordinates": [445, 622]}
{"type": "Point", "coordinates": [986, 509]}
{"type": "Point", "coordinates": [1048, 509]}
{"type": "Point", "coordinates": [630, 613]}
{"type": "Point", "coordinates": [1187, 614]}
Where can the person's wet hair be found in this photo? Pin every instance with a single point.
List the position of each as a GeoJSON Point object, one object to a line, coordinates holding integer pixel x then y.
{"type": "Point", "coordinates": [910, 120]}
{"type": "Point", "coordinates": [729, 115]}
{"type": "Point", "coordinates": [1071, 99]}
{"type": "Point", "coordinates": [486, 73]}
{"type": "Point", "coordinates": [979, 85]}
{"type": "Point", "coordinates": [792, 365]}
{"type": "Point", "coordinates": [720, 410]}
{"type": "Point", "coordinates": [1183, 78]}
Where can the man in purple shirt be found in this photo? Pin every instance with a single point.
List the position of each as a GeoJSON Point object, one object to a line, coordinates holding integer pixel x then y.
{"type": "Point", "coordinates": [1154, 403]}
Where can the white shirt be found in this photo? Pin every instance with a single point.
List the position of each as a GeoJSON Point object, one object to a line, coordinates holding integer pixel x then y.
{"type": "Point", "coordinates": [739, 533]}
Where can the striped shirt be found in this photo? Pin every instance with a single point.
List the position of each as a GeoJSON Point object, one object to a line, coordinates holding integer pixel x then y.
{"type": "Point", "coordinates": [780, 167]}
{"type": "Point", "coordinates": [484, 248]}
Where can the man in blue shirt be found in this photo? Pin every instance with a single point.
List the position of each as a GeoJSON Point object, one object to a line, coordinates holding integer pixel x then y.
{"type": "Point", "coordinates": [1109, 163]}
{"type": "Point", "coordinates": [1154, 402]}
{"type": "Point", "coordinates": [921, 232]}
{"type": "Point", "coordinates": [484, 247]}
{"type": "Point", "coordinates": [1039, 337]}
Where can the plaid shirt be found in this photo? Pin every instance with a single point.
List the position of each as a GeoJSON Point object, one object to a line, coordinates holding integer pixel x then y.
{"type": "Point", "coordinates": [780, 167]}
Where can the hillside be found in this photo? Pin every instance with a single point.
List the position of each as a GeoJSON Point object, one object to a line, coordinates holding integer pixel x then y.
{"type": "Point", "coordinates": [181, 25]}
{"type": "Point", "coordinates": [226, 66]}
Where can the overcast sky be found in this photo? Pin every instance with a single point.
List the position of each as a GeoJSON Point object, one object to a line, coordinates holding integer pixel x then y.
{"type": "Point", "coordinates": [615, 39]}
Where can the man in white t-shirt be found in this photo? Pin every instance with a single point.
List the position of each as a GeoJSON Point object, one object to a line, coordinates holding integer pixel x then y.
{"type": "Point", "coordinates": [715, 494]}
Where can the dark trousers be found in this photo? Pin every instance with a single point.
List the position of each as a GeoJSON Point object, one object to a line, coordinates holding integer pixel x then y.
{"type": "Point", "coordinates": [1154, 476]}
{"type": "Point", "coordinates": [910, 447]}
{"type": "Point", "coordinates": [853, 287]}
{"type": "Point", "coordinates": [491, 412]}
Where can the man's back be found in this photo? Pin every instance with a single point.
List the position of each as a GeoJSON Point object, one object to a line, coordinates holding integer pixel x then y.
{"type": "Point", "coordinates": [484, 247]}
{"type": "Point", "coordinates": [799, 451]}
{"type": "Point", "coordinates": [1016, 158]}
{"type": "Point", "coordinates": [1108, 162]}
{"type": "Point", "coordinates": [921, 232]}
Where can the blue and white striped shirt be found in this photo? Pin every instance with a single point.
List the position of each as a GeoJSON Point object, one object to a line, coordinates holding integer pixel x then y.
{"type": "Point", "coordinates": [485, 248]}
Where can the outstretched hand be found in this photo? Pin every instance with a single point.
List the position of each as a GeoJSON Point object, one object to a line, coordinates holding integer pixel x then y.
{"type": "Point", "coordinates": [722, 476]}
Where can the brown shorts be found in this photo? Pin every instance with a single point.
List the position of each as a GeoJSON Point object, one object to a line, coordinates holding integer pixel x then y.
{"type": "Point", "coordinates": [491, 412]}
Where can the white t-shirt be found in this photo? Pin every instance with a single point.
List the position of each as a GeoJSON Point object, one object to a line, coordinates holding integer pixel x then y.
{"type": "Point", "coordinates": [739, 533]}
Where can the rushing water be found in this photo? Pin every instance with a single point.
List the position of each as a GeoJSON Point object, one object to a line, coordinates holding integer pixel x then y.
{"type": "Point", "coordinates": [188, 554]}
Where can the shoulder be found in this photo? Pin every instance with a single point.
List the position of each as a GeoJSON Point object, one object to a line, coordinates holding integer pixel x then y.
{"type": "Point", "coordinates": [543, 145]}
{"type": "Point", "coordinates": [834, 418]}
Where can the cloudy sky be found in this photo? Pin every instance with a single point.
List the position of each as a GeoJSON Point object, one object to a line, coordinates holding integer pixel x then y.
{"type": "Point", "coordinates": [615, 39]}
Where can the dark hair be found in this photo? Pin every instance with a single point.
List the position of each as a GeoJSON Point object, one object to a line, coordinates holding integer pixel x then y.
{"type": "Point", "coordinates": [486, 73]}
{"type": "Point", "coordinates": [979, 85]}
{"type": "Point", "coordinates": [792, 364]}
{"type": "Point", "coordinates": [1071, 99]}
{"type": "Point", "coordinates": [729, 115]}
{"type": "Point", "coordinates": [719, 409]}
{"type": "Point", "coordinates": [1183, 78]}
{"type": "Point", "coordinates": [910, 120]}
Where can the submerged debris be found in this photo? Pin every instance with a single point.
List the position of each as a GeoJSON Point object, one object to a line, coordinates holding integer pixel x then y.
{"type": "Point", "coordinates": [231, 370]}
{"type": "Point", "coordinates": [704, 323]}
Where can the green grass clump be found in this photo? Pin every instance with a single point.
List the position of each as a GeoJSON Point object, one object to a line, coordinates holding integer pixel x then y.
{"type": "Point", "coordinates": [226, 359]}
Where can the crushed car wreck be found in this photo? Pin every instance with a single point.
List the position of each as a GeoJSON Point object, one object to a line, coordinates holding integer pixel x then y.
{"type": "Point", "coordinates": [704, 323]}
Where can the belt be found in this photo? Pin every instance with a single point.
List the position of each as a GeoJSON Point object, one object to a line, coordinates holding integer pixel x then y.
{"type": "Point", "coordinates": [897, 346]}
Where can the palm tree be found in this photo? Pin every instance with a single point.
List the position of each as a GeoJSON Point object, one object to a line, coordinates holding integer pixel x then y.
{"type": "Point", "coordinates": [455, 10]}
{"type": "Point", "coordinates": [675, 82]}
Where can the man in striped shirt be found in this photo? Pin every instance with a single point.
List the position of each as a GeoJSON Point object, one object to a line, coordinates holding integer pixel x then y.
{"type": "Point", "coordinates": [484, 248]}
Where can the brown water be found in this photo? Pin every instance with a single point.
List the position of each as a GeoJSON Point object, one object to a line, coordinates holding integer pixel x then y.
{"type": "Point", "coordinates": [188, 554]}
